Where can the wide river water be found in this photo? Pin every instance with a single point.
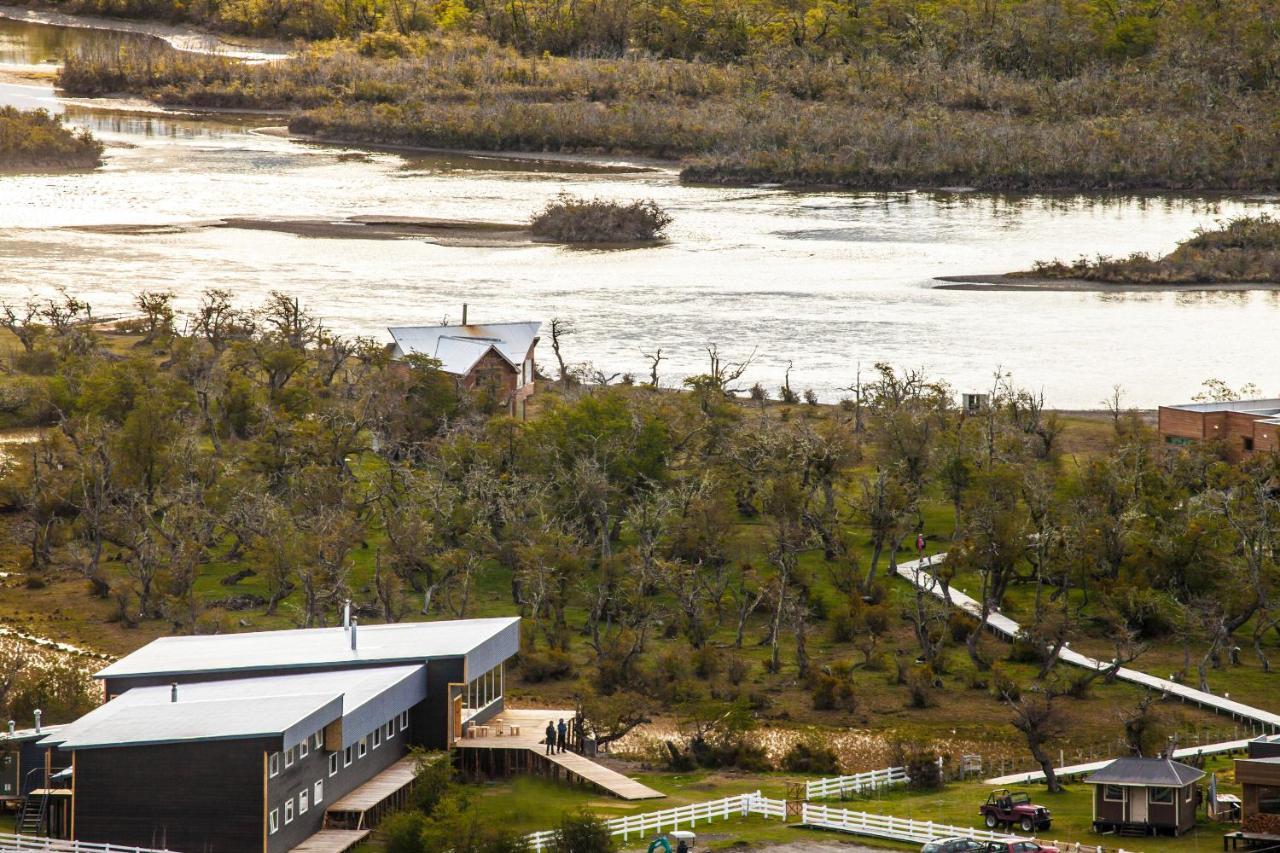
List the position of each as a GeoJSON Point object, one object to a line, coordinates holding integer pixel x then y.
{"type": "Point", "coordinates": [826, 280]}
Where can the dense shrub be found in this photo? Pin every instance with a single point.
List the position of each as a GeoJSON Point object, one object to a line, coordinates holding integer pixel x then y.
{"type": "Point", "coordinates": [549, 665]}
{"type": "Point", "coordinates": [37, 139]}
{"type": "Point", "coordinates": [572, 220]}
{"type": "Point", "coordinates": [582, 832]}
{"type": "Point", "coordinates": [833, 688]}
{"type": "Point", "coordinates": [810, 756]}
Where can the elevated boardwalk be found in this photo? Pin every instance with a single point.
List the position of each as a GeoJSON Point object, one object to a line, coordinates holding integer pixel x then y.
{"type": "Point", "coordinates": [917, 573]}
{"type": "Point", "coordinates": [364, 807]}
{"type": "Point", "coordinates": [332, 841]}
{"type": "Point", "coordinates": [504, 750]}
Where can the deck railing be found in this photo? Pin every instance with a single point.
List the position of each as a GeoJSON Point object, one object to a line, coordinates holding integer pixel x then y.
{"type": "Point", "coordinates": [25, 843]}
{"type": "Point", "coordinates": [843, 786]}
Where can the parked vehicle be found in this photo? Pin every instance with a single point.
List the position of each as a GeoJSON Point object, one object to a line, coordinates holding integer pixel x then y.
{"type": "Point", "coordinates": [1016, 845]}
{"type": "Point", "coordinates": [1014, 808]}
{"type": "Point", "coordinates": [954, 845]}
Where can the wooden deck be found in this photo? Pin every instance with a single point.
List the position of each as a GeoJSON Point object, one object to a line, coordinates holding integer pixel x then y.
{"type": "Point", "coordinates": [332, 841]}
{"type": "Point", "coordinates": [361, 809]}
{"type": "Point", "coordinates": [530, 741]}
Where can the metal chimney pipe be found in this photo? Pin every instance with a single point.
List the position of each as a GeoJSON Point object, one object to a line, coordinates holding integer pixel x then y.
{"type": "Point", "coordinates": [464, 313]}
{"type": "Point", "coordinates": [346, 615]}
{"type": "Point", "coordinates": [12, 726]}
{"type": "Point", "coordinates": [173, 692]}
{"type": "Point", "coordinates": [353, 634]}
{"type": "Point", "coordinates": [38, 715]}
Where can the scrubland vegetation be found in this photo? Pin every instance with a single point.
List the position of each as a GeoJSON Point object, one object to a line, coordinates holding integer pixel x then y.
{"type": "Point", "coordinates": [715, 560]}
{"type": "Point", "coordinates": [35, 139]}
{"type": "Point", "coordinates": [574, 220]}
{"type": "Point", "coordinates": [1245, 249]}
{"type": "Point", "coordinates": [1020, 94]}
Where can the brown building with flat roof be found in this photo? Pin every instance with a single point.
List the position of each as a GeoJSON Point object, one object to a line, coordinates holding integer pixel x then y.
{"type": "Point", "coordinates": [1243, 426]}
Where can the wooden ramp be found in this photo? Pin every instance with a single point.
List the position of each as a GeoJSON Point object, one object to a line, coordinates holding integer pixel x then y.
{"type": "Point", "coordinates": [364, 807]}
{"type": "Point", "coordinates": [332, 841]}
{"type": "Point", "coordinates": [504, 749]}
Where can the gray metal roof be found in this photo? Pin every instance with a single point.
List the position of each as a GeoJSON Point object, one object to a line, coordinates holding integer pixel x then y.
{"type": "Point", "coordinates": [1146, 772]}
{"type": "Point", "coordinates": [292, 707]}
{"type": "Point", "coordinates": [20, 735]}
{"type": "Point", "coordinates": [483, 642]}
{"type": "Point", "coordinates": [1251, 407]}
{"type": "Point", "coordinates": [459, 347]}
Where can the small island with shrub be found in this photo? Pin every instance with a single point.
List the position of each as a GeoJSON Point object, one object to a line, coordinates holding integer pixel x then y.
{"type": "Point", "coordinates": [1241, 254]}
{"type": "Point", "coordinates": [598, 221]}
{"type": "Point", "coordinates": [36, 140]}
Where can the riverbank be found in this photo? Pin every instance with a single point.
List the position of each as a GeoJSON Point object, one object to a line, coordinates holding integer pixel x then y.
{"type": "Point", "coordinates": [181, 37]}
{"type": "Point", "coordinates": [1031, 283]}
{"type": "Point", "coordinates": [35, 140]}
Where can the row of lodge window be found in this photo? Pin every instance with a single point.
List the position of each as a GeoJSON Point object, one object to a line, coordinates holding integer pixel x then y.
{"type": "Point", "coordinates": [1155, 796]}
{"type": "Point", "coordinates": [482, 691]}
{"type": "Point", "coordinates": [315, 795]}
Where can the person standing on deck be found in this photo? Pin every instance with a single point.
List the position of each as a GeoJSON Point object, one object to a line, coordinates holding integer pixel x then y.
{"type": "Point", "coordinates": [562, 732]}
{"type": "Point", "coordinates": [551, 737]}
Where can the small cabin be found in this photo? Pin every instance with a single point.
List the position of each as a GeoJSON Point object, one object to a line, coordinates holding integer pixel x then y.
{"type": "Point", "coordinates": [1147, 796]}
{"type": "Point", "coordinates": [494, 357]}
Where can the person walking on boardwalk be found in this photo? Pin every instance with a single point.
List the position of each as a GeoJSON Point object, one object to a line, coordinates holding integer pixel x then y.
{"type": "Point", "coordinates": [562, 735]}
{"type": "Point", "coordinates": [551, 737]}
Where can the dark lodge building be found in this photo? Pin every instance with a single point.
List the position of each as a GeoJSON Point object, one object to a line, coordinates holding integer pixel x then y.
{"type": "Point", "coordinates": [1146, 796]}
{"type": "Point", "coordinates": [241, 742]}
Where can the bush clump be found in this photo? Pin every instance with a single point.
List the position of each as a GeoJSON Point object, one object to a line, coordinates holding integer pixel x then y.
{"type": "Point", "coordinates": [37, 139]}
{"type": "Point", "coordinates": [574, 220]}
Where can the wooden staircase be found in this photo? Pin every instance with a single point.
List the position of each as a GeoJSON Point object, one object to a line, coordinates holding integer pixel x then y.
{"type": "Point", "coordinates": [32, 814]}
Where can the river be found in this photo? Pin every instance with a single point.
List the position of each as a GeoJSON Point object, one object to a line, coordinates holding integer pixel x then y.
{"type": "Point", "coordinates": [829, 281]}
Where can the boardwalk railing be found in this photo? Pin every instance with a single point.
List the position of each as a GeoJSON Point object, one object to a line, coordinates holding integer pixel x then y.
{"type": "Point", "coordinates": [914, 831]}
{"type": "Point", "coordinates": [652, 823]}
{"type": "Point", "coordinates": [843, 786]}
{"type": "Point", "coordinates": [25, 843]}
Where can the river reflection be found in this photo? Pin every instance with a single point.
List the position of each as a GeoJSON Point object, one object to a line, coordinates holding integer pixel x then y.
{"type": "Point", "coordinates": [830, 281]}
{"type": "Point", "coordinates": [23, 43]}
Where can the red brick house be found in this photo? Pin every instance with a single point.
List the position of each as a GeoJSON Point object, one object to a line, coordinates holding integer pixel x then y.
{"type": "Point", "coordinates": [1243, 426]}
{"type": "Point", "coordinates": [495, 356]}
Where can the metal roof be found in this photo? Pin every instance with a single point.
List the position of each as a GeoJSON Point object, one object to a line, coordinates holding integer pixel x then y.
{"type": "Point", "coordinates": [1249, 407]}
{"type": "Point", "coordinates": [289, 706]}
{"type": "Point", "coordinates": [20, 735]}
{"type": "Point", "coordinates": [483, 642]}
{"type": "Point", "coordinates": [1146, 772]}
{"type": "Point", "coordinates": [459, 347]}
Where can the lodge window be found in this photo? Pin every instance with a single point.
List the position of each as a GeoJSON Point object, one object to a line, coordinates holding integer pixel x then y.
{"type": "Point", "coordinates": [1160, 796]}
{"type": "Point", "coordinates": [363, 748]}
{"type": "Point", "coordinates": [275, 764]}
{"type": "Point", "coordinates": [1268, 800]}
{"type": "Point", "coordinates": [482, 691]}
{"type": "Point", "coordinates": [333, 764]}
{"type": "Point", "coordinates": [1248, 442]}
{"type": "Point", "coordinates": [288, 757]}
{"type": "Point", "coordinates": [1113, 793]}
{"type": "Point", "coordinates": [1190, 793]}
{"type": "Point", "coordinates": [377, 737]}
{"type": "Point", "coordinates": [303, 804]}
{"type": "Point", "coordinates": [319, 792]}
{"type": "Point", "coordinates": [317, 740]}
{"type": "Point", "coordinates": [346, 757]}
{"type": "Point", "coordinates": [273, 821]}
{"type": "Point", "coordinates": [404, 720]}
{"type": "Point", "coordinates": [288, 810]}
{"type": "Point", "coordinates": [303, 750]}
{"type": "Point", "coordinates": [390, 729]}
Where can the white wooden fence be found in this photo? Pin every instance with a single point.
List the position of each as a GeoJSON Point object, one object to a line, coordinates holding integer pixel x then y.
{"type": "Point", "coordinates": [843, 786]}
{"type": "Point", "coordinates": [25, 843]}
{"type": "Point", "coordinates": [916, 831]}
{"type": "Point", "coordinates": [652, 823]}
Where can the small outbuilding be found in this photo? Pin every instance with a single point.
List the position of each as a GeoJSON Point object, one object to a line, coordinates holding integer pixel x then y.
{"type": "Point", "coordinates": [1147, 796]}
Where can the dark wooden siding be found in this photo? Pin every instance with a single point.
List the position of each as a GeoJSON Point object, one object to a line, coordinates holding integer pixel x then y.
{"type": "Point", "coordinates": [1105, 809]}
{"type": "Point", "coordinates": [203, 797]}
{"type": "Point", "coordinates": [433, 732]}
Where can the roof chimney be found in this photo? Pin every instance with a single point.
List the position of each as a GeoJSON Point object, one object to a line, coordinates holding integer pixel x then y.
{"type": "Point", "coordinates": [353, 634]}
{"type": "Point", "coordinates": [12, 726]}
{"type": "Point", "coordinates": [173, 692]}
{"type": "Point", "coordinates": [464, 313]}
{"type": "Point", "coordinates": [38, 715]}
{"type": "Point", "coordinates": [346, 615]}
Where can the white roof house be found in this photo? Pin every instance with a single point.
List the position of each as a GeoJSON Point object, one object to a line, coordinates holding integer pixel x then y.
{"type": "Point", "coordinates": [460, 348]}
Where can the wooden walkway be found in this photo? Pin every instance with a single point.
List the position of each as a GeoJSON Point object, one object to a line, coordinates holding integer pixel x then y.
{"type": "Point", "coordinates": [332, 841]}
{"type": "Point", "coordinates": [529, 741]}
{"type": "Point", "coordinates": [916, 572]}
{"type": "Point", "coordinates": [363, 808]}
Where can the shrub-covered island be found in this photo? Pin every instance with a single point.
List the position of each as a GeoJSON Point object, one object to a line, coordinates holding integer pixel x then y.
{"type": "Point", "coordinates": [1243, 250]}
{"type": "Point", "coordinates": [573, 220]}
{"type": "Point", "coordinates": [35, 139]}
{"type": "Point", "coordinates": [1026, 95]}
